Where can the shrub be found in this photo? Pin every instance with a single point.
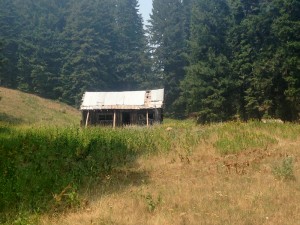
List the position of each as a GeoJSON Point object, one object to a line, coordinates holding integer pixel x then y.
{"type": "Point", "coordinates": [284, 171]}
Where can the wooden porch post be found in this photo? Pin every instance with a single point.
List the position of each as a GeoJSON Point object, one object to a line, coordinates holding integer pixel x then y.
{"type": "Point", "coordinates": [147, 117]}
{"type": "Point", "coordinates": [87, 118]}
{"type": "Point", "coordinates": [114, 122]}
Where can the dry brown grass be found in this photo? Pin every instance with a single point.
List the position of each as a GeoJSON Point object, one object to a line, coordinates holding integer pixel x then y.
{"type": "Point", "coordinates": [21, 108]}
{"type": "Point", "coordinates": [202, 187]}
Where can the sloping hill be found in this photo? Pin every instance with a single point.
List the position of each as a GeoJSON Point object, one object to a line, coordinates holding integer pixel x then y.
{"type": "Point", "coordinates": [21, 108]}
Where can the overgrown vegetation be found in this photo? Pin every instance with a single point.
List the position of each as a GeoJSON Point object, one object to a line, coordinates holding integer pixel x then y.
{"type": "Point", "coordinates": [47, 169]}
{"type": "Point", "coordinates": [285, 170]}
{"type": "Point", "coordinates": [235, 139]}
{"type": "Point", "coordinates": [44, 168]}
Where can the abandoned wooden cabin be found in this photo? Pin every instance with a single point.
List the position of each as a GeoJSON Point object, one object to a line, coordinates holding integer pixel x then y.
{"type": "Point", "coordinates": [122, 108]}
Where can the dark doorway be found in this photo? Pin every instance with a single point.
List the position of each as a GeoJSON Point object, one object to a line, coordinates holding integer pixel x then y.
{"type": "Point", "coordinates": [126, 118]}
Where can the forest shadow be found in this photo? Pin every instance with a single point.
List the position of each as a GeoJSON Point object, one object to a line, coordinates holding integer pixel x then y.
{"type": "Point", "coordinates": [109, 183]}
{"type": "Point", "coordinates": [10, 119]}
{"type": "Point", "coordinates": [58, 168]}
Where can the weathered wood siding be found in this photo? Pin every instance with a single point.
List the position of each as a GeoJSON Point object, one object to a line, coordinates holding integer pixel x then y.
{"type": "Point", "coordinates": [123, 117]}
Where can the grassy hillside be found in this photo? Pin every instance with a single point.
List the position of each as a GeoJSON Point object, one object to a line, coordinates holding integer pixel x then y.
{"type": "Point", "coordinates": [20, 108]}
{"type": "Point", "coordinates": [176, 173]}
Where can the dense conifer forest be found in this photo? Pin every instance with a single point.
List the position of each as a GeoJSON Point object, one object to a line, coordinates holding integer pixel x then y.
{"type": "Point", "coordinates": [218, 59]}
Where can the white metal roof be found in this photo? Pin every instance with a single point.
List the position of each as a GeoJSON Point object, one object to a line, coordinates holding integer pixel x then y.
{"type": "Point", "coordinates": [123, 100]}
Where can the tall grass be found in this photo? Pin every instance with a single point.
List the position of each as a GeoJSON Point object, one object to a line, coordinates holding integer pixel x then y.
{"type": "Point", "coordinates": [235, 137]}
{"type": "Point", "coordinates": [46, 168]}
{"type": "Point", "coordinates": [40, 165]}
{"type": "Point", "coordinates": [205, 186]}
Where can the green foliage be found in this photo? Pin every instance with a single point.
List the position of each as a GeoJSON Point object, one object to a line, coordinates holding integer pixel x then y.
{"type": "Point", "coordinates": [237, 137]}
{"type": "Point", "coordinates": [70, 154]}
{"type": "Point", "coordinates": [9, 26]}
{"type": "Point", "coordinates": [132, 55]}
{"type": "Point", "coordinates": [207, 87]}
{"type": "Point", "coordinates": [151, 202]}
{"type": "Point", "coordinates": [24, 219]}
{"type": "Point", "coordinates": [167, 38]}
{"type": "Point", "coordinates": [260, 62]}
{"type": "Point", "coordinates": [60, 49]}
{"type": "Point", "coordinates": [242, 64]}
{"type": "Point", "coordinates": [46, 168]}
{"type": "Point", "coordinates": [285, 170]}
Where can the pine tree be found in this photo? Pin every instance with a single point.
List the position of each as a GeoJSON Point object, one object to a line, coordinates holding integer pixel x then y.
{"type": "Point", "coordinates": [167, 38]}
{"type": "Point", "coordinates": [286, 60]}
{"type": "Point", "coordinates": [187, 12]}
{"type": "Point", "coordinates": [83, 69]}
{"type": "Point", "coordinates": [9, 33]}
{"type": "Point", "coordinates": [260, 58]}
{"type": "Point", "coordinates": [131, 52]}
{"type": "Point", "coordinates": [39, 52]}
{"type": "Point", "coordinates": [246, 40]}
{"type": "Point", "coordinates": [207, 87]}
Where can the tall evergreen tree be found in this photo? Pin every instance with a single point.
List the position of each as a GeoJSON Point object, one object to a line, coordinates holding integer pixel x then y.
{"type": "Point", "coordinates": [167, 38]}
{"type": "Point", "coordinates": [39, 53]}
{"type": "Point", "coordinates": [131, 54]}
{"type": "Point", "coordinates": [246, 40]}
{"type": "Point", "coordinates": [187, 12]}
{"type": "Point", "coordinates": [254, 40]}
{"type": "Point", "coordinates": [286, 31]}
{"type": "Point", "coordinates": [207, 87]}
{"type": "Point", "coordinates": [9, 32]}
{"type": "Point", "coordinates": [83, 67]}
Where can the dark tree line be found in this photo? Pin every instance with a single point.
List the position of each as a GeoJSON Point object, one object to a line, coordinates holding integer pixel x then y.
{"type": "Point", "coordinates": [61, 48]}
{"type": "Point", "coordinates": [219, 59]}
{"type": "Point", "coordinates": [229, 59]}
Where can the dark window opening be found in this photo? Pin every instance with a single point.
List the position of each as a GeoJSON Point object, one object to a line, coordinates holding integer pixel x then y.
{"type": "Point", "coordinates": [151, 116]}
{"type": "Point", "coordinates": [142, 116]}
{"type": "Point", "coordinates": [126, 118]}
{"type": "Point", "coordinates": [103, 117]}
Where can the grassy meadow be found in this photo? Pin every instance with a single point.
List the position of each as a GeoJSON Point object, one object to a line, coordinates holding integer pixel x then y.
{"type": "Point", "coordinates": [175, 173]}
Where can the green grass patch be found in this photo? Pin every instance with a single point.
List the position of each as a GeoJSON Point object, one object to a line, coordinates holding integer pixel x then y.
{"type": "Point", "coordinates": [236, 137]}
{"type": "Point", "coordinates": [285, 170]}
{"type": "Point", "coordinates": [287, 131]}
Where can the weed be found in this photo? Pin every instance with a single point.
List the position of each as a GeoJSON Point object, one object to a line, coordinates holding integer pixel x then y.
{"type": "Point", "coordinates": [151, 202]}
{"type": "Point", "coordinates": [24, 218]}
{"type": "Point", "coordinates": [67, 198]}
{"type": "Point", "coordinates": [285, 171]}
